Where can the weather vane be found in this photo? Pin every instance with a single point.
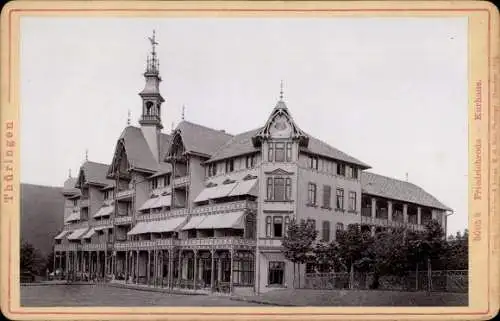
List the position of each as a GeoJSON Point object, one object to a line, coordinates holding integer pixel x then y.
{"type": "Point", "coordinates": [153, 41]}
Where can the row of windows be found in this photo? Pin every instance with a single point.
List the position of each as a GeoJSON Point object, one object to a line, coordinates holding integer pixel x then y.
{"type": "Point", "coordinates": [279, 152]}
{"type": "Point", "coordinates": [250, 162]}
{"type": "Point", "coordinates": [327, 194]}
{"type": "Point", "coordinates": [161, 181]}
{"type": "Point", "coordinates": [328, 166]}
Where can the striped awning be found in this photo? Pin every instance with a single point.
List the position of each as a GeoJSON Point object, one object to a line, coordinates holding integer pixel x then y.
{"type": "Point", "coordinates": [89, 234]}
{"type": "Point", "coordinates": [103, 227]}
{"type": "Point", "coordinates": [162, 201]}
{"type": "Point", "coordinates": [214, 192]}
{"type": "Point", "coordinates": [168, 225]}
{"type": "Point", "coordinates": [104, 211]}
{"type": "Point", "coordinates": [61, 235]}
{"type": "Point", "coordinates": [193, 223]}
{"type": "Point", "coordinates": [150, 203]}
{"type": "Point", "coordinates": [77, 234]}
{"type": "Point", "coordinates": [232, 220]}
{"type": "Point", "coordinates": [248, 187]}
{"type": "Point", "coordinates": [75, 216]}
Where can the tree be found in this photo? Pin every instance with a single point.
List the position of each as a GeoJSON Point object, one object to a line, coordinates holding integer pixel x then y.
{"type": "Point", "coordinates": [353, 247]}
{"type": "Point", "coordinates": [423, 247]}
{"type": "Point", "coordinates": [298, 243]}
{"type": "Point", "coordinates": [388, 255]}
{"type": "Point", "coordinates": [457, 251]}
{"type": "Point", "coordinates": [326, 257]}
{"type": "Point", "coordinates": [30, 259]}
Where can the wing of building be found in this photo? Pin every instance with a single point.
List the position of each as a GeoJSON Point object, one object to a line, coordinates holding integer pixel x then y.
{"type": "Point", "coordinates": [203, 209]}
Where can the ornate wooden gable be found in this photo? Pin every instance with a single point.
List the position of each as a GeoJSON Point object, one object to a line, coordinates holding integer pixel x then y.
{"type": "Point", "coordinates": [176, 150]}
{"type": "Point", "coordinates": [81, 180]}
{"type": "Point", "coordinates": [120, 163]}
{"type": "Point", "coordinates": [280, 125]}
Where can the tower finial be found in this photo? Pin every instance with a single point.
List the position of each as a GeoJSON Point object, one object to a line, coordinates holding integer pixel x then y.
{"type": "Point", "coordinates": [69, 173]}
{"type": "Point", "coordinates": [406, 176]}
{"type": "Point", "coordinates": [86, 155]}
{"type": "Point", "coordinates": [281, 90]}
{"type": "Point", "coordinates": [153, 63]}
{"type": "Point", "coordinates": [128, 118]}
{"type": "Point", "coordinates": [183, 111]}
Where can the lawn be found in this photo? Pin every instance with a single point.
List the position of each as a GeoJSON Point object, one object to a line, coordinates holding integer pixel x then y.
{"type": "Point", "coordinates": [365, 298]}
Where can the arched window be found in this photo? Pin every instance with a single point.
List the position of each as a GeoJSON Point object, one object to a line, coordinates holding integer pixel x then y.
{"type": "Point", "coordinates": [149, 106]}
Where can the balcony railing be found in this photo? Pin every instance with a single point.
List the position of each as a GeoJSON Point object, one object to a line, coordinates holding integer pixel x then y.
{"type": "Point", "coordinates": [102, 222]}
{"type": "Point", "coordinates": [124, 194]}
{"type": "Point", "coordinates": [67, 247]}
{"type": "Point", "coordinates": [217, 242]}
{"type": "Point", "coordinates": [95, 246]}
{"type": "Point", "coordinates": [162, 215]}
{"type": "Point", "coordinates": [144, 244]}
{"type": "Point", "coordinates": [74, 226]}
{"type": "Point", "coordinates": [122, 220]}
{"type": "Point", "coordinates": [183, 180]}
{"type": "Point", "coordinates": [225, 207]}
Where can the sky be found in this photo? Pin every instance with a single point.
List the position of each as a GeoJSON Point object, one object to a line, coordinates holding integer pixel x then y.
{"type": "Point", "coordinates": [391, 92]}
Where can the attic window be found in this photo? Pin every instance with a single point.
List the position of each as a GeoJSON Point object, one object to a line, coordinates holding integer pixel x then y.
{"type": "Point", "coordinates": [211, 184]}
{"type": "Point", "coordinates": [228, 181]}
{"type": "Point", "coordinates": [164, 193]}
{"type": "Point", "coordinates": [249, 177]}
{"type": "Point", "coordinates": [229, 165]}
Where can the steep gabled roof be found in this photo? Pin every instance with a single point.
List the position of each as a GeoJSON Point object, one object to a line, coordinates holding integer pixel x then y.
{"type": "Point", "coordinates": [200, 139]}
{"type": "Point", "coordinates": [238, 145]}
{"type": "Point", "coordinates": [139, 154]}
{"type": "Point", "coordinates": [383, 186]}
{"type": "Point", "coordinates": [95, 173]}
{"type": "Point", "coordinates": [242, 144]}
{"type": "Point", "coordinates": [69, 188]}
{"type": "Point", "coordinates": [319, 147]}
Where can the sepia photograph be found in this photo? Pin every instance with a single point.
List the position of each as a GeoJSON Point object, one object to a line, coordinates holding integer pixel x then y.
{"type": "Point", "coordinates": [246, 161]}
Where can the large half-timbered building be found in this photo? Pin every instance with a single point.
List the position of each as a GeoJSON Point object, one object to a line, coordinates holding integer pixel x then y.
{"type": "Point", "coordinates": [201, 209]}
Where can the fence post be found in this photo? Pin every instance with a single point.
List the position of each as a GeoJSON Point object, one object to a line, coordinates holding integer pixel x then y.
{"type": "Point", "coordinates": [416, 278]}
{"type": "Point", "coordinates": [429, 275]}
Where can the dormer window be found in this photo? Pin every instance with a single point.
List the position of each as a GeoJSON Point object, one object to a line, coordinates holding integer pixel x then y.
{"type": "Point", "coordinates": [250, 161]}
{"type": "Point", "coordinates": [154, 183]}
{"type": "Point", "coordinates": [212, 169]}
{"type": "Point", "coordinates": [166, 180]}
{"type": "Point", "coordinates": [313, 162]}
{"type": "Point", "coordinates": [341, 169]}
{"type": "Point", "coordinates": [229, 165]}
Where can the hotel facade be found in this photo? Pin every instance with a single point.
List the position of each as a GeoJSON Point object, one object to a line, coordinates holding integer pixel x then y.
{"type": "Point", "coordinates": [202, 209]}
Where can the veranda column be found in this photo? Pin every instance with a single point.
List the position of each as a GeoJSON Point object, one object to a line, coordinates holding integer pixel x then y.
{"type": "Point", "coordinates": [148, 269]}
{"type": "Point", "coordinates": [405, 213]}
{"type": "Point", "coordinates": [126, 266]}
{"type": "Point", "coordinates": [231, 253]}
{"type": "Point", "coordinates": [105, 261]}
{"type": "Point", "coordinates": [66, 264]}
{"type": "Point", "coordinates": [374, 215]}
{"type": "Point", "coordinates": [136, 266]}
{"type": "Point", "coordinates": [179, 272]}
{"type": "Point", "coordinates": [389, 211]}
{"type": "Point", "coordinates": [54, 264]}
{"type": "Point", "coordinates": [212, 274]}
{"type": "Point", "coordinates": [195, 277]}
{"type": "Point", "coordinates": [170, 268]}
{"type": "Point", "coordinates": [419, 215]}
{"type": "Point", "coordinates": [155, 267]}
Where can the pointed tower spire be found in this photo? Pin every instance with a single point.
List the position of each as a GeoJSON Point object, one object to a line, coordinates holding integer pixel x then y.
{"type": "Point", "coordinates": [86, 155]}
{"type": "Point", "coordinates": [69, 173]}
{"type": "Point", "coordinates": [183, 111]}
{"type": "Point", "coordinates": [152, 100]}
{"type": "Point", "coordinates": [128, 118]}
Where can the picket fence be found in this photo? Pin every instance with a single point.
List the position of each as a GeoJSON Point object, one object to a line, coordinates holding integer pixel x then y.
{"type": "Point", "coordinates": [440, 281]}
